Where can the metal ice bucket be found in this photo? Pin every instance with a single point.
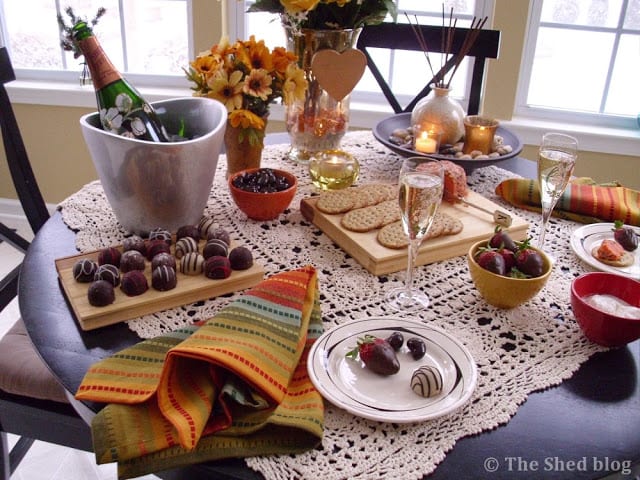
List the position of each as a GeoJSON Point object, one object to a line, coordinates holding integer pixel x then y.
{"type": "Point", "coordinates": [160, 185]}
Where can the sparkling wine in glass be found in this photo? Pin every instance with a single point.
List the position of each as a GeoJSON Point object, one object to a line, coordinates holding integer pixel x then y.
{"type": "Point", "coordinates": [421, 185]}
{"type": "Point", "coordinates": [556, 159]}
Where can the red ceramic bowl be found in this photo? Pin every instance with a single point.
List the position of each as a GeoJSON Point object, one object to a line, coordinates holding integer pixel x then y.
{"type": "Point", "coordinates": [263, 206]}
{"type": "Point", "coordinates": [600, 327]}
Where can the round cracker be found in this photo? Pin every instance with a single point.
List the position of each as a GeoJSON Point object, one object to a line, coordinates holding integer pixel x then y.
{"type": "Point", "coordinates": [393, 236]}
{"type": "Point", "coordinates": [336, 202]}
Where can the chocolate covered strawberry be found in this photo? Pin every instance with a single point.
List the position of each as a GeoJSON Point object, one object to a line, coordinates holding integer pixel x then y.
{"type": "Point", "coordinates": [625, 236]}
{"type": "Point", "coordinates": [491, 260]}
{"type": "Point", "coordinates": [377, 355]}
{"type": "Point", "coordinates": [501, 239]}
{"type": "Point", "coordinates": [528, 260]}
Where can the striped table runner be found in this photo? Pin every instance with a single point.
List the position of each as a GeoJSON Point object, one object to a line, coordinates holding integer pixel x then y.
{"type": "Point", "coordinates": [235, 386]}
{"type": "Point", "coordinates": [581, 202]}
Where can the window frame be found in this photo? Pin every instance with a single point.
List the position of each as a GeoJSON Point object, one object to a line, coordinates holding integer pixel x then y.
{"type": "Point", "coordinates": [523, 110]}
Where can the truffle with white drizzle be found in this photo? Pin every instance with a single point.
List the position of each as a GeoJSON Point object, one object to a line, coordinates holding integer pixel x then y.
{"type": "Point", "coordinates": [426, 381]}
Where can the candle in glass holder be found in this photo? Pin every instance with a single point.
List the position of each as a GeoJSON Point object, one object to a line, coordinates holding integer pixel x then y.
{"type": "Point", "coordinates": [333, 169]}
{"type": "Point", "coordinates": [426, 139]}
{"type": "Point", "coordinates": [478, 134]}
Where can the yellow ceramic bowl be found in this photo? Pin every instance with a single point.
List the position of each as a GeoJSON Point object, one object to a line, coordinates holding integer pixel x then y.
{"type": "Point", "coordinates": [501, 291]}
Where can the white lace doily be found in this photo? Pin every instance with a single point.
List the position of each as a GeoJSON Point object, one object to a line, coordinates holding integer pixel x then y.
{"type": "Point", "coordinates": [522, 350]}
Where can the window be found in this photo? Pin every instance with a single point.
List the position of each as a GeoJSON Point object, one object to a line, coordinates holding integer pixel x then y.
{"type": "Point", "coordinates": [141, 38]}
{"type": "Point", "coordinates": [582, 62]}
{"type": "Point", "coordinates": [403, 69]}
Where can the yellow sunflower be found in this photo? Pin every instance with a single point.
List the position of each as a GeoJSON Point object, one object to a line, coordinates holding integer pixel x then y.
{"type": "Point", "coordinates": [245, 119]}
{"type": "Point", "coordinates": [227, 89]}
{"type": "Point", "coordinates": [295, 84]}
{"type": "Point", "coordinates": [258, 84]}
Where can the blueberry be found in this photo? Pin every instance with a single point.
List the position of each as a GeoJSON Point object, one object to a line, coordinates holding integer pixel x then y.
{"type": "Point", "coordinates": [417, 348]}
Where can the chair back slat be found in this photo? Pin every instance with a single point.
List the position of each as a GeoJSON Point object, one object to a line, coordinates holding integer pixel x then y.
{"type": "Point", "coordinates": [22, 175]}
{"type": "Point", "coordinates": [401, 36]}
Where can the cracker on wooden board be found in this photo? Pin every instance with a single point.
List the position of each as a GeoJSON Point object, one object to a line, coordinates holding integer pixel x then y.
{"type": "Point", "coordinates": [393, 236]}
{"type": "Point", "coordinates": [341, 201]}
{"type": "Point", "coordinates": [369, 218]}
{"type": "Point", "coordinates": [362, 219]}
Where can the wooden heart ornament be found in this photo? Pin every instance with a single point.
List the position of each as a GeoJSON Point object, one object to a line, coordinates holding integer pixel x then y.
{"type": "Point", "coordinates": [338, 73]}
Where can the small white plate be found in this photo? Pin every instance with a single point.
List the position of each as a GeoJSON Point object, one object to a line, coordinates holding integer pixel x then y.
{"type": "Point", "coordinates": [585, 238]}
{"type": "Point", "coordinates": [353, 387]}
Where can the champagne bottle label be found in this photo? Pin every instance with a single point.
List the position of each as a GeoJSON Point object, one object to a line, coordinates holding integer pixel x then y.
{"type": "Point", "coordinates": [102, 70]}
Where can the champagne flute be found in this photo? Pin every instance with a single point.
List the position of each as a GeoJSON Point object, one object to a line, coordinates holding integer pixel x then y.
{"type": "Point", "coordinates": [556, 159]}
{"type": "Point", "coordinates": [421, 185]}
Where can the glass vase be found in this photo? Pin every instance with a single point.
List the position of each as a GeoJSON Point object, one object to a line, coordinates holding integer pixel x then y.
{"type": "Point", "coordinates": [318, 122]}
{"type": "Point", "coordinates": [439, 110]}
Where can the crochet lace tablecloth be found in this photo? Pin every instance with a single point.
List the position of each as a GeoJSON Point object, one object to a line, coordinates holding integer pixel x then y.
{"type": "Point", "coordinates": [520, 351]}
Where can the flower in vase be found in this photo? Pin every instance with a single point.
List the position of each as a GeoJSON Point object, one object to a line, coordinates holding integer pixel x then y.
{"type": "Point", "coordinates": [328, 14]}
{"type": "Point", "coordinates": [247, 77]}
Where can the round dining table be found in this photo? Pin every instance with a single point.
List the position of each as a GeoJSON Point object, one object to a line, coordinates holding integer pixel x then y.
{"type": "Point", "coordinates": [586, 427]}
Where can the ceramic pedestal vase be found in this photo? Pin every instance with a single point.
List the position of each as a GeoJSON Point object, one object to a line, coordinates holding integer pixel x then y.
{"type": "Point", "coordinates": [318, 122]}
{"type": "Point", "coordinates": [241, 154]}
{"type": "Point", "coordinates": [438, 109]}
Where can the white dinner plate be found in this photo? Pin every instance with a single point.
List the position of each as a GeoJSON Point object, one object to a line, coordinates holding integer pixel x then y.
{"type": "Point", "coordinates": [350, 385]}
{"type": "Point", "coordinates": [585, 238]}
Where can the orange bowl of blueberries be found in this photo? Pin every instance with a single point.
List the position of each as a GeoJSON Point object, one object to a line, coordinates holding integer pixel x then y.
{"type": "Point", "coordinates": [505, 272]}
{"type": "Point", "coordinates": [262, 193]}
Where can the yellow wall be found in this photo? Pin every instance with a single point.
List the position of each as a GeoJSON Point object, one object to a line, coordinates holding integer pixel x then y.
{"type": "Point", "coordinates": [62, 165]}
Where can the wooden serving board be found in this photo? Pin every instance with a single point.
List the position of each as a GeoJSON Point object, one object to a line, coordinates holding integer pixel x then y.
{"type": "Point", "coordinates": [380, 260]}
{"type": "Point", "coordinates": [189, 289]}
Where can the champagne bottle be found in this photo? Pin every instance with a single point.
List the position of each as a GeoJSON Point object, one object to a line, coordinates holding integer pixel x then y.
{"type": "Point", "coordinates": [123, 111]}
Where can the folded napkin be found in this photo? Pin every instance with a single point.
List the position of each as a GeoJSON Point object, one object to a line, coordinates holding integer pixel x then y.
{"type": "Point", "coordinates": [582, 201]}
{"type": "Point", "coordinates": [235, 386]}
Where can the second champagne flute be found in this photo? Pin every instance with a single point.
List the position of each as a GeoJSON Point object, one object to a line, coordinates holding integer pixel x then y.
{"type": "Point", "coordinates": [556, 159]}
{"type": "Point", "coordinates": [421, 185]}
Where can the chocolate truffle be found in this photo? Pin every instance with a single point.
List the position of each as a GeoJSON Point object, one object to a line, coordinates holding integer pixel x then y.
{"type": "Point", "coordinates": [109, 273]}
{"type": "Point", "coordinates": [134, 283]}
{"type": "Point", "coordinates": [109, 255]}
{"type": "Point", "coordinates": [134, 242]}
{"type": "Point", "coordinates": [84, 270]}
{"type": "Point", "coordinates": [215, 248]}
{"type": "Point", "coordinates": [188, 231]}
{"type": "Point", "coordinates": [220, 234]}
{"type": "Point", "coordinates": [163, 259]}
{"type": "Point", "coordinates": [192, 263]}
{"type": "Point", "coordinates": [206, 225]}
{"type": "Point", "coordinates": [160, 234]}
{"type": "Point", "coordinates": [217, 267]}
{"type": "Point", "coordinates": [240, 258]}
{"type": "Point", "coordinates": [426, 381]}
{"type": "Point", "coordinates": [164, 278]}
{"type": "Point", "coordinates": [132, 260]}
{"type": "Point", "coordinates": [101, 293]}
{"type": "Point", "coordinates": [185, 245]}
{"type": "Point", "coordinates": [154, 247]}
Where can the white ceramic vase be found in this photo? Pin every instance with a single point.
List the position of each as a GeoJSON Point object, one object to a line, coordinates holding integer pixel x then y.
{"type": "Point", "coordinates": [439, 109]}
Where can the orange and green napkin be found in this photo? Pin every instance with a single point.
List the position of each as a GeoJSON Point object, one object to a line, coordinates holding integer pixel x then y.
{"type": "Point", "coordinates": [234, 386]}
{"type": "Point", "coordinates": [582, 201]}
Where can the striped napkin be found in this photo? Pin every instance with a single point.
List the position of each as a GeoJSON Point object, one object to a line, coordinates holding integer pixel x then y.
{"type": "Point", "coordinates": [235, 386]}
{"type": "Point", "coordinates": [582, 201]}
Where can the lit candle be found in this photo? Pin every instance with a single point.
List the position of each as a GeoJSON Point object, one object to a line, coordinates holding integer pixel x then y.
{"type": "Point", "coordinates": [333, 169]}
{"type": "Point", "coordinates": [478, 134]}
{"type": "Point", "coordinates": [426, 138]}
{"type": "Point", "coordinates": [426, 144]}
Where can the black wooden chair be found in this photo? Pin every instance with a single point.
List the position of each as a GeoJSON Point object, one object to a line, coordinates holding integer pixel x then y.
{"type": "Point", "coordinates": [33, 405]}
{"type": "Point", "coordinates": [400, 36]}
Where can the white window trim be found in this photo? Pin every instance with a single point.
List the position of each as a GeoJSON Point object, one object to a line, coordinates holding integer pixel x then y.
{"type": "Point", "coordinates": [529, 123]}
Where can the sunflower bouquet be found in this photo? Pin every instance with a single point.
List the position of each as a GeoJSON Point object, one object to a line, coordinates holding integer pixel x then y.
{"type": "Point", "coordinates": [247, 77]}
{"type": "Point", "coordinates": [327, 14]}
